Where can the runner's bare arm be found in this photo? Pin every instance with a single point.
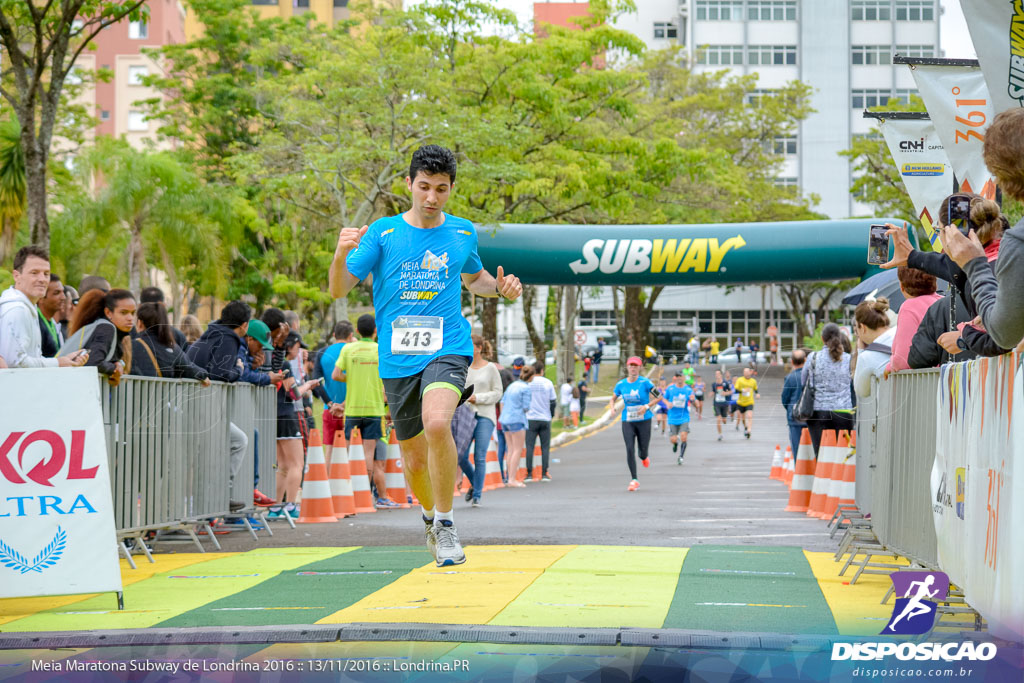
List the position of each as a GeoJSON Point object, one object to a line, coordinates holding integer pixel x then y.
{"type": "Point", "coordinates": [339, 281]}
{"type": "Point", "coordinates": [483, 283]}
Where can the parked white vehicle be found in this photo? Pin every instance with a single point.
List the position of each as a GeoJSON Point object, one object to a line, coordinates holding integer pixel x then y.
{"type": "Point", "coordinates": [586, 341]}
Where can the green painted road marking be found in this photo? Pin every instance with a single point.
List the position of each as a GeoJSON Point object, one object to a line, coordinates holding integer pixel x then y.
{"type": "Point", "coordinates": [161, 599]}
{"type": "Point", "coordinates": [750, 589]}
{"type": "Point", "coordinates": [598, 586]}
{"type": "Point", "coordinates": [308, 592]}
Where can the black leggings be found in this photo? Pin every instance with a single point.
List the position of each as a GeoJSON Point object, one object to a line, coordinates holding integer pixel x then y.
{"type": "Point", "coordinates": [535, 428]}
{"type": "Point", "coordinates": [641, 431]}
{"type": "Point", "coordinates": [828, 419]}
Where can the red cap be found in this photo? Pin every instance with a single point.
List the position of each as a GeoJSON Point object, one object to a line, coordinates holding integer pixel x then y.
{"type": "Point", "coordinates": [634, 360]}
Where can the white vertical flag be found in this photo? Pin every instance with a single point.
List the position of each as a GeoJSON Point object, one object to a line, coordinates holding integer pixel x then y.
{"type": "Point", "coordinates": [923, 166]}
{"type": "Point", "coordinates": [997, 29]}
{"type": "Point", "coordinates": [957, 99]}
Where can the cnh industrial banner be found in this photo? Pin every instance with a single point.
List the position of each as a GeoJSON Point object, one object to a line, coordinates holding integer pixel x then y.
{"type": "Point", "coordinates": [923, 166]}
{"type": "Point", "coordinates": [978, 487]}
{"type": "Point", "coordinates": [997, 29]}
{"type": "Point", "coordinates": [56, 512]}
{"type": "Point", "coordinates": [958, 102]}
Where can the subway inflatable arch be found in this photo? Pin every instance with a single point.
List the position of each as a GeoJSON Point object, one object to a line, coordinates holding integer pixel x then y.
{"type": "Point", "coordinates": [692, 254]}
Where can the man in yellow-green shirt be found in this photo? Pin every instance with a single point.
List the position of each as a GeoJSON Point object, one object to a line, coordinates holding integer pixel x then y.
{"type": "Point", "coordinates": [746, 386]}
{"type": "Point", "coordinates": [358, 366]}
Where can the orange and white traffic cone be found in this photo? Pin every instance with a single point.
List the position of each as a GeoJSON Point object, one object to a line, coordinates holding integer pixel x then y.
{"type": "Point", "coordinates": [803, 475]}
{"type": "Point", "coordinates": [360, 478]}
{"type": "Point", "coordinates": [838, 469]}
{"type": "Point", "coordinates": [394, 477]}
{"type": "Point", "coordinates": [787, 467]}
{"type": "Point", "coordinates": [776, 472]}
{"type": "Point", "coordinates": [538, 459]}
{"type": "Point", "coordinates": [492, 476]}
{"type": "Point", "coordinates": [316, 490]}
{"type": "Point", "coordinates": [342, 498]}
{"type": "Point", "coordinates": [822, 473]}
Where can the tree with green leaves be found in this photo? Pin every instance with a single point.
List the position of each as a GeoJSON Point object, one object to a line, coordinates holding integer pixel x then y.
{"type": "Point", "coordinates": [12, 185]}
{"type": "Point", "coordinates": [148, 209]}
{"type": "Point", "coordinates": [40, 43]}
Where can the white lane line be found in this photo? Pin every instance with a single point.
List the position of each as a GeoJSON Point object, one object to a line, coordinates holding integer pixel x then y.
{"type": "Point", "coordinates": [691, 538]}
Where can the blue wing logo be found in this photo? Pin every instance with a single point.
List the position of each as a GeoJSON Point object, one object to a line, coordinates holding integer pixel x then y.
{"type": "Point", "coordinates": [47, 557]}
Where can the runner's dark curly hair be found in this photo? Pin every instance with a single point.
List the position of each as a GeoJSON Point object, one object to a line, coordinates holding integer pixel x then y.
{"type": "Point", "coordinates": [432, 160]}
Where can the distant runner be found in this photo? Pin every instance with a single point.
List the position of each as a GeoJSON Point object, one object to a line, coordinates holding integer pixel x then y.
{"type": "Point", "coordinates": [678, 396]}
{"type": "Point", "coordinates": [747, 388]}
{"type": "Point", "coordinates": [419, 261]}
{"type": "Point", "coordinates": [721, 389]}
{"type": "Point", "coordinates": [639, 396]}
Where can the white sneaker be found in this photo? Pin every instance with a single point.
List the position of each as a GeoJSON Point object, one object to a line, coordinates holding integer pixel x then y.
{"type": "Point", "coordinates": [431, 538]}
{"type": "Point", "coordinates": [448, 550]}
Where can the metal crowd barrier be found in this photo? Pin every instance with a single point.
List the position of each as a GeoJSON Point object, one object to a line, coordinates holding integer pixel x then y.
{"type": "Point", "coordinates": [168, 448]}
{"type": "Point", "coordinates": [897, 442]}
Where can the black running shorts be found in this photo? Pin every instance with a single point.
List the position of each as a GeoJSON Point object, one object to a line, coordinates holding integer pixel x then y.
{"type": "Point", "coordinates": [405, 394]}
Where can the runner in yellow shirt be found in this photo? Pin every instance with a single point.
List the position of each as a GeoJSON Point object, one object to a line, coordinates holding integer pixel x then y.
{"type": "Point", "coordinates": [747, 388]}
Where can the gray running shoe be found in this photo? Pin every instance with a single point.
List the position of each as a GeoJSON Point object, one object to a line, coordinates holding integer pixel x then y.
{"type": "Point", "coordinates": [449, 550]}
{"type": "Point", "coordinates": [431, 538]}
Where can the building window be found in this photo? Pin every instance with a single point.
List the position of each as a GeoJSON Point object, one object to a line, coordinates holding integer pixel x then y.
{"type": "Point", "coordinates": [781, 145]}
{"type": "Point", "coordinates": [137, 121]}
{"type": "Point", "coordinates": [264, 2]}
{"type": "Point", "coordinates": [871, 54]}
{"type": "Point", "coordinates": [771, 10]}
{"type": "Point", "coordinates": [755, 96]}
{"type": "Point", "coordinates": [865, 99]}
{"type": "Point", "coordinates": [597, 318]}
{"type": "Point", "coordinates": [915, 50]}
{"type": "Point", "coordinates": [104, 115]}
{"type": "Point", "coordinates": [771, 55]}
{"type": "Point", "coordinates": [341, 3]}
{"type": "Point", "coordinates": [665, 29]}
{"type": "Point", "coordinates": [136, 74]}
{"type": "Point", "coordinates": [302, 4]}
{"type": "Point", "coordinates": [720, 10]}
{"type": "Point", "coordinates": [915, 10]}
{"type": "Point", "coordinates": [785, 182]}
{"type": "Point", "coordinates": [138, 30]}
{"type": "Point", "coordinates": [903, 95]}
{"type": "Point", "coordinates": [870, 10]}
{"type": "Point", "coordinates": [720, 55]}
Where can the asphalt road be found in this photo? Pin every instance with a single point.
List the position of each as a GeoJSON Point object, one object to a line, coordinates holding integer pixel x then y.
{"type": "Point", "coordinates": [721, 494]}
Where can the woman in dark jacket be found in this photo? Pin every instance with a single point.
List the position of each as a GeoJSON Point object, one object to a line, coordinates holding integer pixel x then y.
{"type": "Point", "coordinates": [105, 320]}
{"type": "Point", "coordinates": [154, 353]}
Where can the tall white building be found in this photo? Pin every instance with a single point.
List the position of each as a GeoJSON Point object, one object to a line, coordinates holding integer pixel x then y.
{"type": "Point", "coordinates": [842, 48]}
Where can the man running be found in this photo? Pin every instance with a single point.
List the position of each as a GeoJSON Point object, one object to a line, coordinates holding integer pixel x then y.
{"type": "Point", "coordinates": [678, 396]}
{"type": "Point", "coordinates": [417, 259]}
{"type": "Point", "coordinates": [638, 398]}
{"type": "Point", "coordinates": [689, 374]}
{"type": "Point", "coordinates": [747, 388]}
{"type": "Point", "coordinates": [722, 390]}
{"type": "Point", "coordinates": [357, 366]}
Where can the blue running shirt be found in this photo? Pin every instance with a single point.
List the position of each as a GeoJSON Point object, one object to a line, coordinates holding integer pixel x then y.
{"type": "Point", "coordinates": [417, 272]}
{"type": "Point", "coordinates": [634, 394]}
{"type": "Point", "coordinates": [678, 399]}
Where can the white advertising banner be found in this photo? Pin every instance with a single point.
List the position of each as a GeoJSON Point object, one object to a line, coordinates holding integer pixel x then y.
{"type": "Point", "coordinates": [979, 455]}
{"type": "Point", "coordinates": [958, 102]}
{"type": "Point", "coordinates": [923, 166]}
{"type": "Point", "coordinates": [997, 30]}
{"type": "Point", "coordinates": [56, 512]}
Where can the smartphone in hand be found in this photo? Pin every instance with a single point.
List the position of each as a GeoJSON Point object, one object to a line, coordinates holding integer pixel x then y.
{"type": "Point", "coordinates": [878, 245]}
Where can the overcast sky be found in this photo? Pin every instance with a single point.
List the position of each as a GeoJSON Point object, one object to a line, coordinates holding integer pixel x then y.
{"type": "Point", "coordinates": [956, 42]}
